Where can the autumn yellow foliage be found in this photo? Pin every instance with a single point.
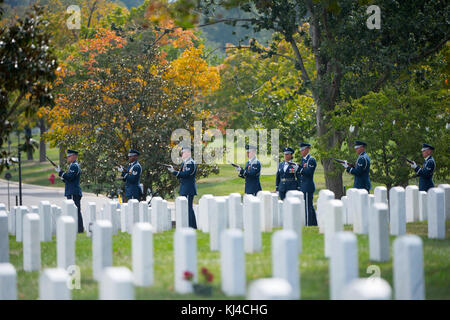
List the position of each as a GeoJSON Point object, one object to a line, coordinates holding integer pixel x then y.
{"type": "Point", "coordinates": [190, 69]}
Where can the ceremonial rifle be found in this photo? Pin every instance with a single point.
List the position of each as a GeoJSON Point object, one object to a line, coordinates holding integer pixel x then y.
{"type": "Point", "coordinates": [343, 161]}
{"type": "Point", "coordinates": [54, 164]}
{"type": "Point", "coordinates": [167, 165]}
{"type": "Point", "coordinates": [407, 160]}
{"type": "Point", "coordinates": [234, 165]}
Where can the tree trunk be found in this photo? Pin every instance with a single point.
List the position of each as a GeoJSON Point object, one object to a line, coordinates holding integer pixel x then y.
{"type": "Point", "coordinates": [42, 146]}
{"type": "Point", "coordinates": [27, 145]}
{"type": "Point", "coordinates": [29, 151]}
{"type": "Point", "coordinates": [333, 178]}
{"type": "Point", "coordinates": [328, 141]}
{"type": "Point", "coordinates": [62, 156]}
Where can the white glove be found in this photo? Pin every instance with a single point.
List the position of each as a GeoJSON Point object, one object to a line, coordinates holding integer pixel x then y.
{"type": "Point", "coordinates": [238, 169]}
{"type": "Point", "coordinates": [120, 169]}
{"type": "Point", "coordinates": [171, 169]}
{"type": "Point", "coordinates": [413, 165]}
{"type": "Point", "coordinates": [58, 169]}
{"type": "Point", "coordinates": [345, 164]}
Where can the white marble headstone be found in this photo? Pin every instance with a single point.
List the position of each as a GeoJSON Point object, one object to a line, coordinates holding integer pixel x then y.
{"type": "Point", "coordinates": [232, 263]}
{"type": "Point", "coordinates": [412, 203]}
{"type": "Point", "coordinates": [269, 289]}
{"type": "Point", "coordinates": [4, 237]}
{"type": "Point", "coordinates": [285, 259]}
{"type": "Point", "coordinates": [116, 283]}
{"type": "Point", "coordinates": [53, 284]}
{"type": "Point", "coordinates": [252, 225]}
{"type": "Point", "coordinates": [379, 232]}
{"type": "Point", "coordinates": [8, 282]}
{"type": "Point", "coordinates": [343, 265]}
{"type": "Point", "coordinates": [142, 254]}
{"type": "Point", "coordinates": [436, 213]}
{"type": "Point", "coordinates": [397, 211]}
{"type": "Point", "coordinates": [446, 188]}
{"type": "Point", "coordinates": [408, 271]}
{"type": "Point", "coordinates": [101, 247]}
{"type": "Point", "coordinates": [65, 242]}
{"type": "Point", "coordinates": [373, 288]}
{"type": "Point", "coordinates": [31, 242]}
{"type": "Point", "coordinates": [185, 251]}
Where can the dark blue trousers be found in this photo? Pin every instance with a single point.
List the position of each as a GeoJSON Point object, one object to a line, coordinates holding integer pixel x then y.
{"type": "Point", "coordinates": [192, 221]}
{"type": "Point", "coordinates": [282, 194]}
{"type": "Point", "coordinates": [310, 213]}
{"type": "Point", "coordinates": [77, 201]}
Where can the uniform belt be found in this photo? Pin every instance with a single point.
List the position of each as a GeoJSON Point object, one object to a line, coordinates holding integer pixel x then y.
{"type": "Point", "coordinates": [286, 180]}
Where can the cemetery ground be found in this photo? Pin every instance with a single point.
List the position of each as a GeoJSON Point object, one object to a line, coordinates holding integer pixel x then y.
{"type": "Point", "coordinates": [313, 267]}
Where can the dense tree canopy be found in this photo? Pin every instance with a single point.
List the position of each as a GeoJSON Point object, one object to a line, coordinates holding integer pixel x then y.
{"type": "Point", "coordinates": [351, 60]}
{"type": "Point", "coordinates": [27, 69]}
{"type": "Point", "coordinates": [264, 93]}
{"type": "Point", "coordinates": [396, 121]}
{"type": "Point", "coordinates": [322, 72]}
{"type": "Point", "coordinates": [127, 100]}
{"type": "Point", "coordinates": [129, 86]}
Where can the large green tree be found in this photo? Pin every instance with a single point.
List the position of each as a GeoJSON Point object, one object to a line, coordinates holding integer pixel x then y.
{"type": "Point", "coordinates": [125, 101]}
{"type": "Point", "coordinates": [264, 93]}
{"type": "Point", "coordinates": [27, 69]}
{"type": "Point", "coordinates": [396, 120]}
{"type": "Point", "coordinates": [351, 59]}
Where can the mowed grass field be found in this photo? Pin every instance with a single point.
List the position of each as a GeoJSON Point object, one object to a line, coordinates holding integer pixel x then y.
{"type": "Point", "coordinates": [313, 267]}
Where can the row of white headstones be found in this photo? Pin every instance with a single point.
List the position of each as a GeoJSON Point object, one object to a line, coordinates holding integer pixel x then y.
{"type": "Point", "coordinates": [235, 229]}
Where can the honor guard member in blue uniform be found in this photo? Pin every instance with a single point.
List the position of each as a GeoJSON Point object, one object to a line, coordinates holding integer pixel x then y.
{"type": "Point", "coordinates": [307, 167]}
{"type": "Point", "coordinates": [251, 171]}
{"type": "Point", "coordinates": [362, 167]}
{"type": "Point", "coordinates": [426, 172]}
{"type": "Point", "coordinates": [132, 176]}
{"type": "Point", "coordinates": [71, 179]}
{"type": "Point", "coordinates": [186, 175]}
{"type": "Point", "coordinates": [287, 174]}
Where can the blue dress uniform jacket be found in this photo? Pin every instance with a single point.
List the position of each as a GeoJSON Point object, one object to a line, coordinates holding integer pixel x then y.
{"type": "Point", "coordinates": [72, 180]}
{"type": "Point", "coordinates": [426, 174]}
{"type": "Point", "coordinates": [287, 180]}
{"type": "Point", "coordinates": [132, 178]}
{"type": "Point", "coordinates": [251, 174]}
{"type": "Point", "coordinates": [361, 172]}
{"type": "Point", "coordinates": [308, 187]}
{"type": "Point", "coordinates": [307, 174]}
{"type": "Point", "coordinates": [186, 175]}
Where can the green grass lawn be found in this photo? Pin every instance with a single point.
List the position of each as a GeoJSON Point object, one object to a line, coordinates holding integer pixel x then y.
{"type": "Point", "coordinates": [313, 265]}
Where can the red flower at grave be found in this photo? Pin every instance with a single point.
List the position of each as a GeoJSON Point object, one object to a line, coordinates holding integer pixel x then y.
{"type": "Point", "coordinates": [210, 277]}
{"type": "Point", "coordinates": [188, 275]}
{"type": "Point", "coordinates": [204, 271]}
